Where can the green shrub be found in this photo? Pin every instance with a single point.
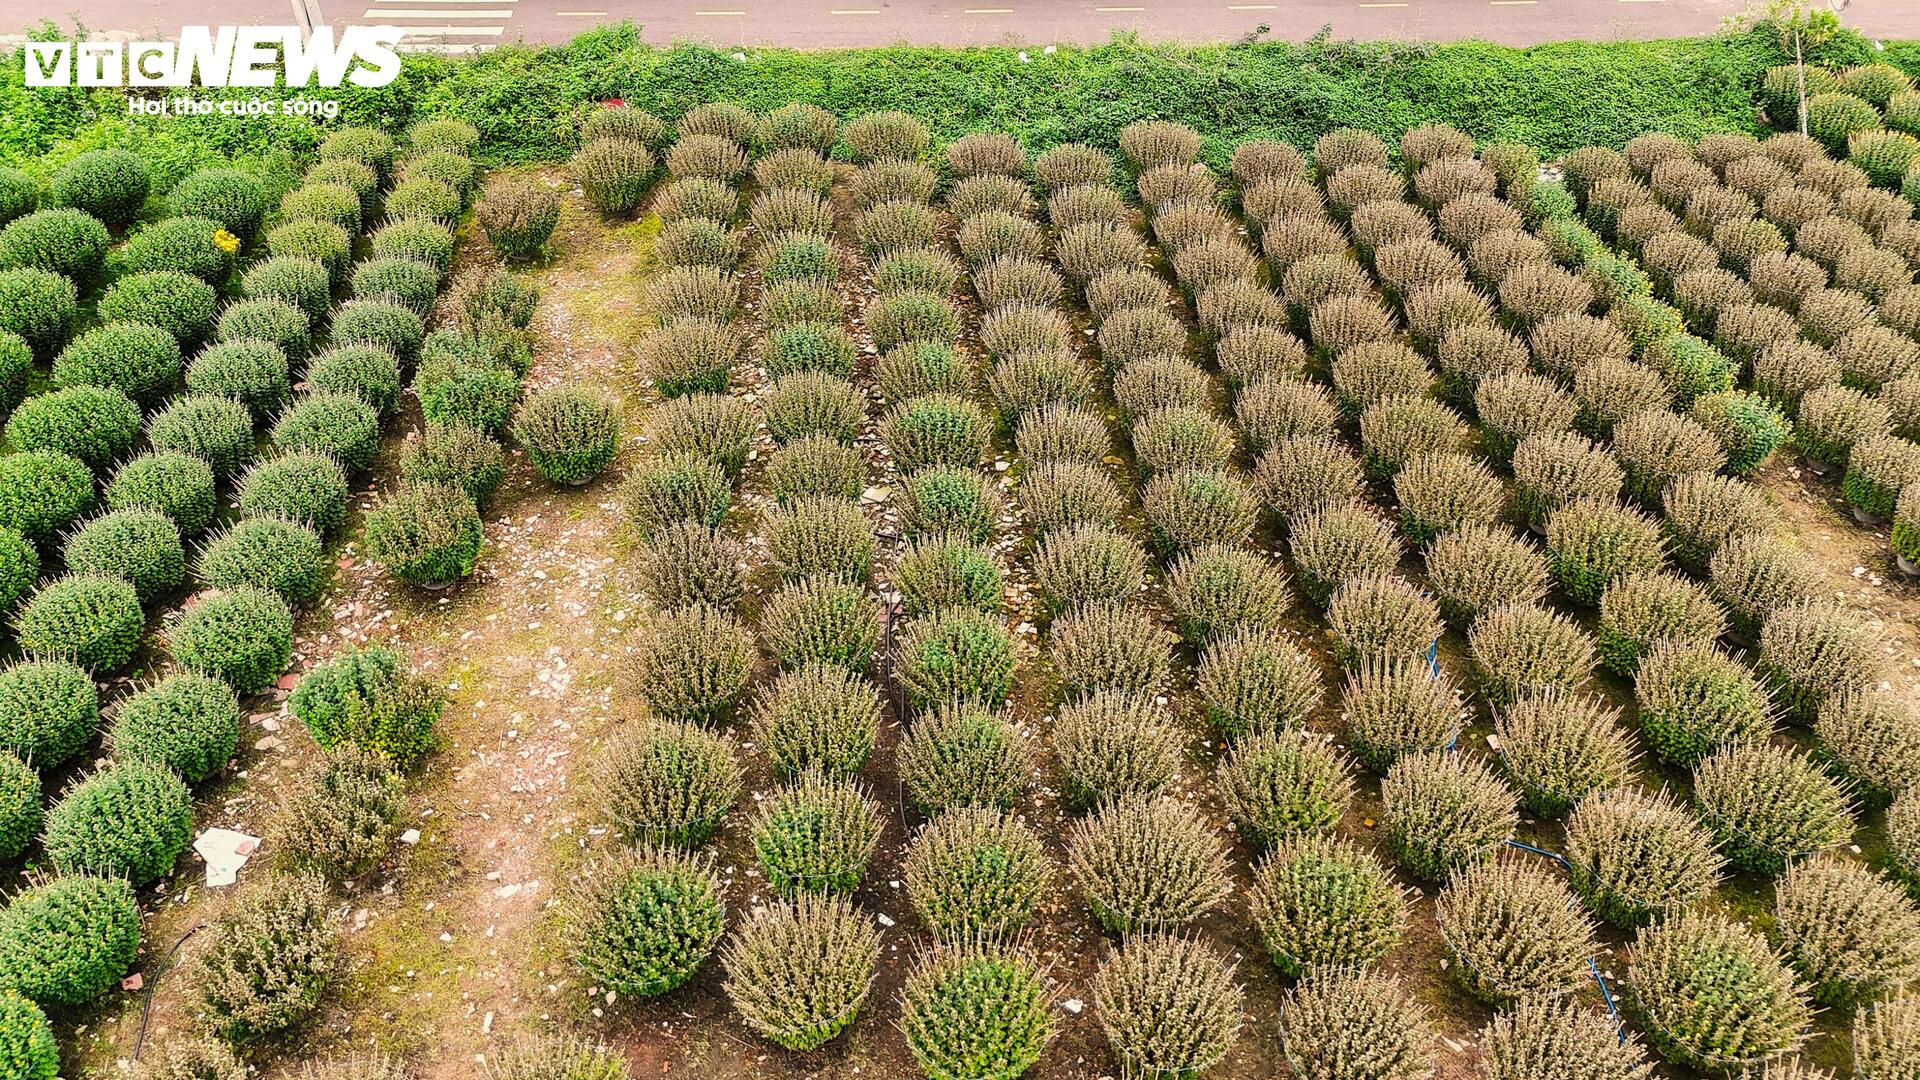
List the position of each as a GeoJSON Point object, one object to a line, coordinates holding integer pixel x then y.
{"type": "Point", "coordinates": [714, 426]}
{"type": "Point", "coordinates": [961, 755]}
{"type": "Point", "coordinates": [949, 501]}
{"type": "Point", "coordinates": [809, 347]}
{"type": "Point", "coordinates": [26, 1039]}
{"type": "Point", "coordinates": [457, 387]}
{"type": "Point", "coordinates": [306, 487]}
{"type": "Point", "coordinates": [410, 283]}
{"type": "Point", "coordinates": [1444, 811]}
{"type": "Point", "coordinates": [274, 321]}
{"type": "Point", "coordinates": [267, 960]}
{"type": "Point", "coordinates": [818, 717]}
{"type": "Point", "coordinates": [94, 620]}
{"type": "Point", "coordinates": [457, 455]}
{"type": "Point", "coordinates": [369, 372]}
{"type": "Point", "coordinates": [821, 620]}
{"type": "Point", "coordinates": [570, 434]}
{"type": "Point", "coordinates": [1767, 805]}
{"type": "Point", "coordinates": [423, 239]}
{"type": "Point", "coordinates": [252, 372]}
{"type": "Point", "coordinates": [1848, 931]}
{"type": "Point", "coordinates": [130, 819]}
{"type": "Point", "coordinates": [1514, 930]}
{"type": "Point", "coordinates": [370, 146]}
{"type": "Point", "coordinates": [274, 554]}
{"type": "Point", "coordinates": [613, 172]}
{"type": "Point", "coordinates": [48, 711]}
{"type": "Point", "coordinates": [321, 241]}
{"type": "Point", "coordinates": [216, 430]}
{"type": "Point", "coordinates": [140, 547]}
{"type": "Point", "coordinates": [816, 836]}
{"type": "Point", "coordinates": [242, 636]}
{"type": "Point", "coordinates": [19, 193]}
{"type": "Point", "coordinates": [1812, 651]}
{"type": "Point", "coordinates": [955, 655]}
{"type": "Point", "coordinates": [39, 306]}
{"type": "Point", "coordinates": [1147, 864]}
{"type": "Point", "coordinates": [20, 567]}
{"type": "Point", "coordinates": [357, 175]}
{"type": "Point", "coordinates": [945, 572]}
{"type": "Point", "coordinates": [335, 203]}
{"type": "Point", "coordinates": [140, 360]}
{"type": "Point", "coordinates": [1759, 1011]}
{"type": "Point", "coordinates": [1694, 700]}
{"type": "Point", "coordinates": [340, 426]}
{"type": "Point", "coordinates": [422, 197]}
{"type": "Point", "coordinates": [1320, 901]}
{"type": "Point", "coordinates": [936, 429]}
{"type": "Point", "coordinates": [1275, 786]}
{"type": "Point", "coordinates": [678, 487]}
{"type": "Point", "coordinates": [1559, 748]}
{"type": "Point", "coordinates": [235, 199]}
{"type": "Point", "coordinates": [1520, 650]}
{"type": "Point", "coordinates": [623, 122]}
{"type": "Point", "coordinates": [188, 724]}
{"type": "Point", "coordinates": [977, 1010]}
{"type": "Point", "coordinates": [20, 812]}
{"type": "Point", "coordinates": [337, 819]}
{"type": "Point", "coordinates": [1591, 543]}
{"type": "Point", "coordinates": [42, 492]}
{"type": "Point", "coordinates": [691, 356]}
{"type": "Point", "coordinates": [642, 924]}
{"type": "Point", "coordinates": [427, 534]}
{"type": "Point", "coordinates": [94, 424]}
{"type": "Point", "coordinates": [64, 241]}
{"type": "Point", "coordinates": [367, 698]}
{"type": "Point", "coordinates": [1635, 856]}
{"type": "Point", "coordinates": [70, 939]}
{"type": "Point", "coordinates": [1254, 683]}
{"type": "Point", "coordinates": [1644, 608]}
{"type": "Point", "coordinates": [178, 303]}
{"type": "Point", "coordinates": [975, 871]}
{"type": "Point", "coordinates": [815, 466]}
{"type": "Point", "coordinates": [670, 784]}
{"type": "Point", "coordinates": [109, 184]}
{"type": "Point", "coordinates": [798, 972]}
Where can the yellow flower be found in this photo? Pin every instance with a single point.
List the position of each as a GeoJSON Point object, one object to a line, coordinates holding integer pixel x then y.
{"type": "Point", "coordinates": [226, 241]}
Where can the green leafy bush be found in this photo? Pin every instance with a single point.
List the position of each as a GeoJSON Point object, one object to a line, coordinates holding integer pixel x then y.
{"type": "Point", "coordinates": [306, 487]}
{"type": "Point", "coordinates": [367, 698]}
{"type": "Point", "coordinates": [670, 784]}
{"type": "Point", "coordinates": [177, 485]}
{"type": "Point", "coordinates": [26, 1040]}
{"type": "Point", "coordinates": [237, 200]}
{"type": "Point", "coordinates": [422, 197]}
{"type": "Point", "coordinates": [109, 184]}
{"type": "Point", "coordinates": [140, 547]}
{"type": "Point", "coordinates": [961, 754]}
{"type": "Point", "coordinates": [695, 665]}
{"type": "Point", "coordinates": [274, 554]}
{"type": "Point", "coordinates": [1324, 902]}
{"type": "Point", "coordinates": [39, 305]}
{"type": "Point", "coordinates": [275, 321]}
{"type": "Point", "coordinates": [569, 433]}
{"type": "Point", "coordinates": [427, 534]}
{"type": "Point", "coordinates": [335, 203]}
{"type": "Point", "coordinates": [19, 193]}
{"type": "Point", "coordinates": [216, 430]}
{"type": "Point", "coordinates": [954, 655]}
{"type": "Point", "coordinates": [48, 711]}
{"type": "Point", "coordinates": [68, 940]}
{"type": "Point", "coordinates": [977, 1010]}
{"type": "Point", "coordinates": [92, 423]}
{"type": "Point", "coordinates": [816, 836]}
{"type": "Point", "coordinates": [19, 567]}
{"type": "Point", "coordinates": [1758, 1011]}
{"type": "Point", "coordinates": [251, 371]}
{"type": "Point", "coordinates": [138, 359]}
{"type": "Point", "coordinates": [43, 492]}
{"type": "Point", "coordinates": [670, 488]}
{"type": "Point", "coordinates": [799, 972]}
{"type": "Point", "coordinates": [340, 426]}
{"type": "Point", "coordinates": [266, 962]}
{"type": "Point", "coordinates": [369, 372]}
{"type": "Point", "coordinates": [423, 239]}
{"type": "Point", "coordinates": [976, 871]}
{"type": "Point", "coordinates": [92, 619]}
{"type": "Point", "coordinates": [1145, 864]}
{"type": "Point", "coordinates": [455, 454]}
{"type": "Point", "coordinates": [130, 820]}
{"type": "Point", "coordinates": [457, 387]}
{"type": "Point", "coordinates": [410, 283]}
{"type": "Point", "coordinates": [1278, 785]}
{"type": "Point", "coordinates": [176, 302]}
{"type": "Point", "coordinates": [643, 923]}
{"type": "Point", "coordinates": [20, 811]}
{"type": "Point", "coordinates": [242, 636]}
{"type": "Point", "coordinates": [65, 241]}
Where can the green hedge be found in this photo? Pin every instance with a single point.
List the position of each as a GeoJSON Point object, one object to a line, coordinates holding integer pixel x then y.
{"type": "Point", "coordinates": [527, 100]}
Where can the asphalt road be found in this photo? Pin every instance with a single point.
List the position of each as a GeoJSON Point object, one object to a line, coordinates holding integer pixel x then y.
{"type": "Point", "coordinates": [464, 24]}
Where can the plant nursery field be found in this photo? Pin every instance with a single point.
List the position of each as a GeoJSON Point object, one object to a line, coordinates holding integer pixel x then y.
{"type": "Point", "coordinates": [793, 592]}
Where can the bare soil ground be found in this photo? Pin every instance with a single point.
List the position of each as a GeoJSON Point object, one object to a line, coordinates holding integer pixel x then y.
{"type": "Point", "coordinates": [451, 944]}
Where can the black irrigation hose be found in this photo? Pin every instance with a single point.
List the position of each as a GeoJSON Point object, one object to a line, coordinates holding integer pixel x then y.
{"type": "Point", "coordinates": [166, 963]}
